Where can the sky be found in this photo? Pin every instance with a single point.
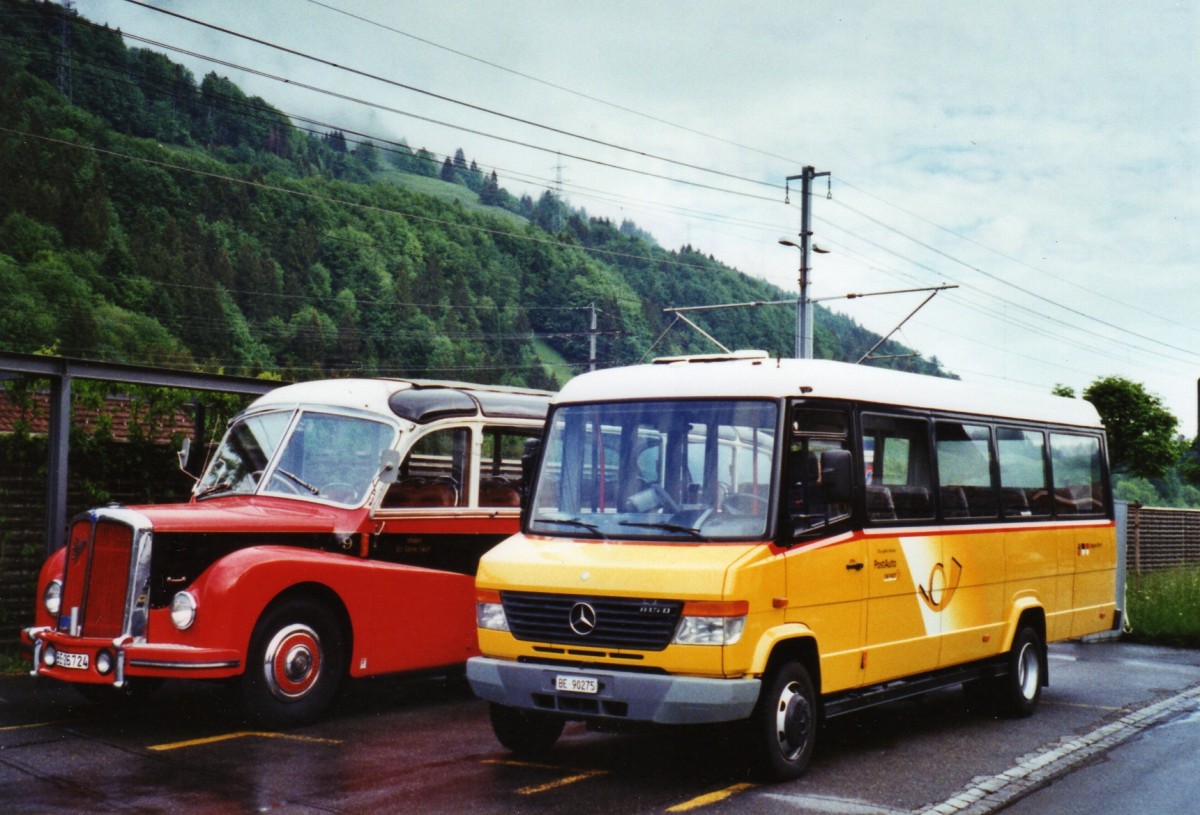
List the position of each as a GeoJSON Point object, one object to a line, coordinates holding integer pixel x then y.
{"type": "Point", "coordinates": [1040, 156]}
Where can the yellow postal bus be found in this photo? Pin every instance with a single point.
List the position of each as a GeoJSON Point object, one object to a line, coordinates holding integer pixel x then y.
{"type": "Point", "coordinates": [716, 539]}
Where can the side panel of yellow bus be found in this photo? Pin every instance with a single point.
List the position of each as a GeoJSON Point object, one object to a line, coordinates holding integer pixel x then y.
{"type": "Point", "coordinates": [1094, 592]}
{"type": "Point", "coordinates": [826, 589]}
{"type": "Point", "coordinates": [902, 633]}
{"type": "Point", "coordinates": [971, 600]}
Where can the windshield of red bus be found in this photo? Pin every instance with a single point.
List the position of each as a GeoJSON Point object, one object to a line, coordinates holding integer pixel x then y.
{"type": "Point", "coordinates": [299, 454]}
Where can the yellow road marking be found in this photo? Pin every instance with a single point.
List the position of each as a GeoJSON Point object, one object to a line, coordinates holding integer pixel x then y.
{"type": "Point", "coordinates": [710, 798]}
{"type": "Point", "coordinates": [576, 774]}
{"type": "Point", "coordinates": [561, 782]}
{"type": "Point", "coordinates": [242, 735]}
{"type": "Point", "coordinates": [508, 762]}
{"type": "Point", "coordinates": [7, 728]}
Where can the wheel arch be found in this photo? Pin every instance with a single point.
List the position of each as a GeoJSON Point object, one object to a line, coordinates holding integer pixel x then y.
{"type": "Point", "coordinates": [1029, 613]}
{"type": "Point", "coordinates": [798, 644]}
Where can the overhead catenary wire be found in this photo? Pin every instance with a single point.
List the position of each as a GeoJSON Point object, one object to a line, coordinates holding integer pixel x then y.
{"type": "Point", "coordinates": [1039, 315]}
{"type": "Point", "coordinates": [462, 103]}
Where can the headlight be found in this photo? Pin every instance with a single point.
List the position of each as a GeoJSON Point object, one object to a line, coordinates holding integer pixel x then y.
{"type": "Point", "coordinates": [52, 597]}
{"type": "Point", "coordinates": [49, 656]}
{"type": "Point", "coordinates": [183, 610]}
{"type": "Point", "coordinates": [489, 611]}
{"type": "Point", "coordinates": [104, 663]}
{"type": "Point", "coordinates": [717, 623]}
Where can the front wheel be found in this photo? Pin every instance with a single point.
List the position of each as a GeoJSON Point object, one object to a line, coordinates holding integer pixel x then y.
{"type": "Point", "coordinates": [783, 727]}
{"type": "Point", "coordinates": [526, 733]}
{"type": "Point", "coordinates": [294, 665]}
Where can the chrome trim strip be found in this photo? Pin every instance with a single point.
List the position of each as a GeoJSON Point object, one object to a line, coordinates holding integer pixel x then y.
{"type": "Point", "coordinates": [182, 666]}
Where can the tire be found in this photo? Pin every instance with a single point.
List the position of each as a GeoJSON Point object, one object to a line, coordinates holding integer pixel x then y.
{"type": "Point", "coordinates": [1021, 688]}
{"type": "Point", "coordinates": [294, 665]}
{"type": "Point", "coordinates": [526, 733]}
{"type": "Point", "coordinates": [783, 727]}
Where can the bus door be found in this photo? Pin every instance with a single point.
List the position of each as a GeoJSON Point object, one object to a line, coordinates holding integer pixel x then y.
{"type": "Point", "coordinates": [905, 570]}
{"type": "Point", "coordinates": [826, 565]}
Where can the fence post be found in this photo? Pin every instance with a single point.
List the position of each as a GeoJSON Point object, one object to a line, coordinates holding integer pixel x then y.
{"type": "Point", "coordinates": [1136, 506]}
{"type": "Point", "coordinates": [1122, 519]}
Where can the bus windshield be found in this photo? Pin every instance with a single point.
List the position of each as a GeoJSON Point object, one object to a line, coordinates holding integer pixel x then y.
{"type": "Point", "coordinates": [683, 471]}
{"type": "Point", "coordinates": [314, 455]}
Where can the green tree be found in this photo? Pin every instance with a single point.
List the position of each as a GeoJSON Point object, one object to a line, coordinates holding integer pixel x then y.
{"type": "Point", "coordinates": [1141, 432]}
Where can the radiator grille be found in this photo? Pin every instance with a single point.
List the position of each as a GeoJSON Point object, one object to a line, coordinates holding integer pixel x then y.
{"type": "Point", "coordinates": [619, 622]}
{"type": "Point", "coordinates": [97, 577]}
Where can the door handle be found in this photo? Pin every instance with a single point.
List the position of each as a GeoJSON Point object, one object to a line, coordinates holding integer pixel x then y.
{"type": "Point", "coordinates": [852, 566]}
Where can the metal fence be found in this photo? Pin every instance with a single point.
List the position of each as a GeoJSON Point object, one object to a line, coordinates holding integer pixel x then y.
{"type": "Point", "coordinates": [1160, 538]}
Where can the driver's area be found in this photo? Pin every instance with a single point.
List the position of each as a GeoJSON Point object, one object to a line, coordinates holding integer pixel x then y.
{"type": "Point", "coordinates": [680, 470]}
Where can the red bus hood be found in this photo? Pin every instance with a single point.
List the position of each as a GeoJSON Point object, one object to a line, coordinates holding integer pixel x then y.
{"type": "Point", "coordinates": [251, 514]}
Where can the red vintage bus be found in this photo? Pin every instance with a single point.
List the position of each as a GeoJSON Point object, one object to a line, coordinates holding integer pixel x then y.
{"type": "Point", "coordinates": [336, 531]}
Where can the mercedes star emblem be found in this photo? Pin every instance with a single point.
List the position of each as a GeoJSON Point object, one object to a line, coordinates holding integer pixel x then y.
{"type": "Point", "coordinates": [582, 619]}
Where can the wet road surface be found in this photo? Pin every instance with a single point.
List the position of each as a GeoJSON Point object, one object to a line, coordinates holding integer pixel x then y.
{"type": "Point", "coordinates": [424, 745]}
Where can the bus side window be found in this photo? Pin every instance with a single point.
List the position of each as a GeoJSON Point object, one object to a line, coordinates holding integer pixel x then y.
{"type": "Point", "coordinates": [898, 475]}
{"type": "Point", "coordinates": [1022, 472]}
{"type": "Point", "coordinates": [964, 457]}
{"type": "Point", "coordinates": [1078, 479]}
{"type": "Point", "coordinates": [434, 473]}
{"type": "Point", "coordinates": [809, 502]}
{"type": "Point", "coordinates": [500, 475]}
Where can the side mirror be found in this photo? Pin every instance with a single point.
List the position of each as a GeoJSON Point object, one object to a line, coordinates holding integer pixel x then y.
{"type": "Point", "coordinates": [185, 451]}
{"type": "Point", "coordinates": [389, 466]}
{"type": "Point", "coordinates": [836, 469]}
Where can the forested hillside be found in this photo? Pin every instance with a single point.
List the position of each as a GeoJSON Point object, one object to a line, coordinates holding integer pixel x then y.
{"type": "Point", "coordinates": [149, 217]}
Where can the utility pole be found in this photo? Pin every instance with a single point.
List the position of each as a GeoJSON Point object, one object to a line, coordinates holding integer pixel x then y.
{"type": "Point", "coordinates": [804, 317]}
{"type": "Point", "coordinates": [592, 340]}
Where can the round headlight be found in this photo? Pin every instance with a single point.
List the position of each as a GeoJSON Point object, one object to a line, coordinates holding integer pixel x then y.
{"type": "Point", "coordinates": [104, 662]}
{"type": "Point", "coordinates": [183, 610]}
{"type": "Point", "coordinates": [52, 597]}
{"type": "Point", "coordinates": [49, 656]}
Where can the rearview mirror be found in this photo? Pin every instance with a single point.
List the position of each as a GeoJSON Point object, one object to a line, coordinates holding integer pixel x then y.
{"type": "Point", "coordinates": [389, 466]}
{"type": "Point", "coordinates": [836, 469]}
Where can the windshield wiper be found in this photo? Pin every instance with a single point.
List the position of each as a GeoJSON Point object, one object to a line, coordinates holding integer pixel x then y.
{"type": "Point", "coordinates": [224, 486]}
{"type": "Point", "coordinates": [572, 522]}
{"type": "Point", "coordinates": [298, 480]}
{"type": "Point", "coordinates": [670, 527]}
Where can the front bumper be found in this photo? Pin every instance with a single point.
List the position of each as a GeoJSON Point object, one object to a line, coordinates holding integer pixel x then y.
{"type": "Point", "coordinates": [126, 657]}
{"type": "Point", "coordinates": [627, 696]}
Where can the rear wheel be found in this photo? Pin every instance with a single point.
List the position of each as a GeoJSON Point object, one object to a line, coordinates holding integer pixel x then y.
{"type": "Point", "coordinates": [526, 733]}
{"type": "Point", "coordinates": [1021, 689]}
{"type": "Point", "coordinates": [783, 727]}
{"type": "Point", "coordinates": [294, 665]}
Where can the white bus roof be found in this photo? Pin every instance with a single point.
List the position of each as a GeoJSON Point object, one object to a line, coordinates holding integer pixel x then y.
{"type": "Point", "coordinates": [376, 396]}
{"type": "Point", "coordinates": [757, 375]}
